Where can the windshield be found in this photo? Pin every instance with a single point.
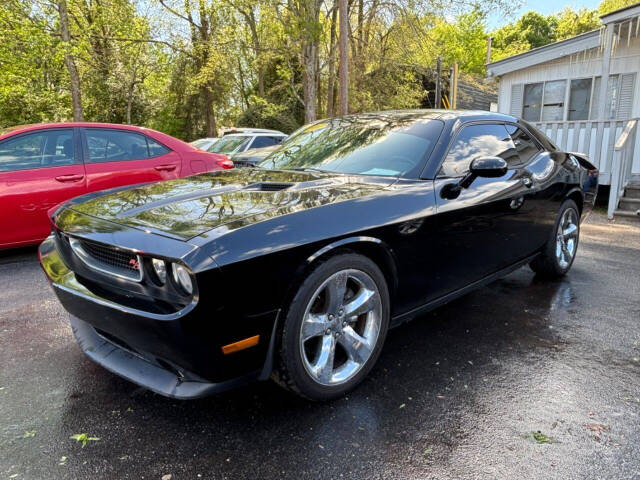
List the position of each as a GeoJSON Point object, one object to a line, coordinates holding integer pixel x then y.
{"type": "Point", "coordinates": [368, 145]}
{"type": "Point", "coordinates": [229, 144]}
{"type": "Point", "coordinates": [201, 142]}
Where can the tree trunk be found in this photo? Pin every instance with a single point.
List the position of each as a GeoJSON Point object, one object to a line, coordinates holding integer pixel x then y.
{"type": "Point", "coordinates": [209, 117]}
{"type": "Point", "coordinates": [344, 58]}
{"type": "Point", "coordinates": [257, 48]}
{"type": "Point", "coordinates": [309, 81]}
{"type": "Point", "coordinates": [70, 63]}
{"type": "Point", "coordinates": [332, 62]}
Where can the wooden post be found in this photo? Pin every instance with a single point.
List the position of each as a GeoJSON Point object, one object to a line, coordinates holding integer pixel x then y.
{"type": "Point", "coordinates": [343, 70]}
{"type": "Point", "coordinates": [607, 40]}
{"type": "Point", "coordinates": [489, 42]}
{"type": "Point", "coordinates": [604, 72]}
{"type": "Point", "coordinates": [454, 86]}
{"type": "Point", "coordinates": [438, 100]}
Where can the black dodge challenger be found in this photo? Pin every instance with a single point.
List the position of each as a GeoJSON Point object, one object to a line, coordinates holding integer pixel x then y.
{"type": "Point", "coordinates": [296, 269]}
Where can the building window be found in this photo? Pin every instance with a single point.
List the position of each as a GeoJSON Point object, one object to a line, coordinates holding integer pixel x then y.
{"type": "Point", "coordinates": [553, 100]}
{"type": "Point", "coordinates": [579, 99]}
{"type": "Point", "coordinates": [532, 105]}
{"type": "Point", "coordinates": [544, 101]}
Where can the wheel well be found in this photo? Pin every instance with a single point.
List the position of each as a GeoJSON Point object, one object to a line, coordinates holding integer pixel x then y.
{"type": "Point", "coordinates": [376, 252]}
{"type": "Point", "coordinates": [381, 257]}
{"type": "Point", "coordinates": [577, 197]}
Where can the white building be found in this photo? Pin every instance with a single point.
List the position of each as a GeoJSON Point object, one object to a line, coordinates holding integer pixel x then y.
{"type": "Point", "coordinates": [584, 93]}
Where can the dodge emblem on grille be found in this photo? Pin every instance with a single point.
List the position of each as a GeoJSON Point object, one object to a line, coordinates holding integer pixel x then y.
{"type": "Point", "coordinates": [134, 263]}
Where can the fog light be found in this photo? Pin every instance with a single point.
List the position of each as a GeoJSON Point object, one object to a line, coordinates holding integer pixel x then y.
{"type": "Point", "coordinates": [181, 277]}
{"type": "Point", "coordinates": [161, 270]}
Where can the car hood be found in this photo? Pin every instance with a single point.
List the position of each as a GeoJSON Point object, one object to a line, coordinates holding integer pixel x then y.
{"type": "Point", "coordinates": [223, 200]}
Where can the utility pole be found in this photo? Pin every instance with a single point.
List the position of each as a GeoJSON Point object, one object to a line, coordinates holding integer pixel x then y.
{"type": "Point", "coordinates": [438, 101]}
{"type": "Point", "coordinates": [489, 41]}
{"type": "Point", "coordinates": [343, 68]}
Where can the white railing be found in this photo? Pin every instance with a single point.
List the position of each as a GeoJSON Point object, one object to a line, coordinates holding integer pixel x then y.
{"type": "Point", "coordinates": [595, 138]}
{"type": "Point", "coordinates": [621, 165]}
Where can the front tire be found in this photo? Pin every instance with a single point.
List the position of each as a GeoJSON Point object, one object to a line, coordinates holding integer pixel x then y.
{"type": "Point", "coordinates": [334, 328]}
{"type": "Point", "coordinates": [559, 252]}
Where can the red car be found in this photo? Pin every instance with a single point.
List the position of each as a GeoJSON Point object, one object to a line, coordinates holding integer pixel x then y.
{"type": "Point", "coordinates": [44, 165]}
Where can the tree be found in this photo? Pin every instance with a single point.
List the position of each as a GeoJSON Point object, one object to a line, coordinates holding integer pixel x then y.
{"type": "Point", "coordinates": [344, 58]}
{"type": "Point", "coordinates": [610, 5]}
{"type": "Point", "coordinates": [574, 22]}
{"type": "Point", "coordinates": [70, 62]}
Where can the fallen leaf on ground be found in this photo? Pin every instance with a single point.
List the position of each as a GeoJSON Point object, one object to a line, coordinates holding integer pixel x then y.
{"type": "Point", "coordinates": [83, 438]}
{"type": "Point", "coordinates": [539, 437]}
{"type": "Point", "coordinates": [598, 429]}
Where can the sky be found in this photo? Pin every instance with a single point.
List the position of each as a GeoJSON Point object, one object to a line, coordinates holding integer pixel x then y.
{"type": "Point", "coordinates": [544, 7]}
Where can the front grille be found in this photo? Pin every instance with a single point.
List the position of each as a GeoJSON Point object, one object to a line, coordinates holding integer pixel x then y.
{"type": "Point", "coordinates": [109, 260]}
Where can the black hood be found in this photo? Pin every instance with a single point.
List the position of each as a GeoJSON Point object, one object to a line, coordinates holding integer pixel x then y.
{"type": "Point", "coordinates": [191, 206]}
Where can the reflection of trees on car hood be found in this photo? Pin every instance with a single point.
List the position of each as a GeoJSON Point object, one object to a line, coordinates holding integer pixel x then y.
{"type": "Point", "coordinates": [191, 206]}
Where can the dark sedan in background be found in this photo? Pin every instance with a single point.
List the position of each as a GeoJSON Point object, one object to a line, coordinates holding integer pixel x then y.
{"type": "Point", "coordinates": [296, 270]}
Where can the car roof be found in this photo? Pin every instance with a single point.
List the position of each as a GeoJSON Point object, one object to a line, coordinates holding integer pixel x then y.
{"type": "Point", "coordinates": [167, 140]}
{"type": "Point", "coordinates": [436, 114]}
{"type": "Point", "coordinates": [251, 130]}
{"type": "Point", "coordinates": [43, 126]}
{"type": "Point", "coordinates": [256, 134]}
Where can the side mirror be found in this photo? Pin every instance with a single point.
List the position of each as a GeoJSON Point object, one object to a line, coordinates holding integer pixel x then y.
{"type": "Point", "coordinates": [484, 167]}
{"type": "Point", "coordinates": [488, 167]}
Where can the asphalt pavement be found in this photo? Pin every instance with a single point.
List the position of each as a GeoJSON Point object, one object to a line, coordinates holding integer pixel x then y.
{"type": "Point", "coordinates": [521, 379]}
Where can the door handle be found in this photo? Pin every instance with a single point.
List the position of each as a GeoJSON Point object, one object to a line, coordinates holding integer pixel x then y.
{"type": "Point", "coordinates": [165, 168]}
{"type": "Point", "coordinates": [527, 182]}
{"type": "Point", "coordinates": [69, 178]}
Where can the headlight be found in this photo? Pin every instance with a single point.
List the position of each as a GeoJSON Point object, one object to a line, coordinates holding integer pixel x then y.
{"type": "Point", "coordinates": [181, 277]}
{"type": "Point", "coordinates": [161, 270]}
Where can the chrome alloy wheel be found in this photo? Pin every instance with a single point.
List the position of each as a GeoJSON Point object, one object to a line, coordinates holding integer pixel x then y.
{"type": "Point", "coordinates": [340, 327]}
{"type": "Point", "coordinates": [567, 238]}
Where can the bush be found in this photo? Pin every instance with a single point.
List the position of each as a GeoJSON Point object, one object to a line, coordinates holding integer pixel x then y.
{"type": "Point", "coordinates": [264, 114]}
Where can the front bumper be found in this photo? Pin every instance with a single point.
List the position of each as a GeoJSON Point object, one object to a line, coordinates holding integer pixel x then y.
{"type": "Point", "coordinates": [141, 371]}
{"type": "Point", "coordinates": [177, 355]}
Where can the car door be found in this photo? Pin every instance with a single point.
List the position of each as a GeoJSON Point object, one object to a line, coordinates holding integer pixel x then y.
{"type": "Point", "coordinates": [114, 158]}
{"type": "Point", "coordinates": [487, 227]}
{"type": "Point", "coordinates": [38, 170]}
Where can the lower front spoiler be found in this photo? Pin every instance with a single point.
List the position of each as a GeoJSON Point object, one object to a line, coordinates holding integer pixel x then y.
{"type": "Point", "coordinates": [141, 372]}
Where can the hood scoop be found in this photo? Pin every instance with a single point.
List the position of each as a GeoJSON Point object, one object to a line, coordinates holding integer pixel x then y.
{"type": "Point", "coordinates": [268, 186]}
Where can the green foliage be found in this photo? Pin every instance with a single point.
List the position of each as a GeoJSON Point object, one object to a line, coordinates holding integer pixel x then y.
{"type": "Point", "coordinates": [574, 22]}
{"type": "Point", "coordinates": [188, 68]}
{"type": "Point", "coordinates": [607, 6]}
{"type": "Point", "coordinates": [263, 114]}
{"type": "Point", "coordinates": [464, 40]}
{"type": "Point", "coordinates": [533, 30]}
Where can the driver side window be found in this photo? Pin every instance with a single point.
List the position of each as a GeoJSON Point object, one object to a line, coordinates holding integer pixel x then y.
{"type": "Point", "coordinates": [473, 141]}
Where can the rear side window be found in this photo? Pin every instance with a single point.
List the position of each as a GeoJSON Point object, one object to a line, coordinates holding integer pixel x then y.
{"type": "Point", "coordinates": [230, 144]}
{"type": "Point", "coordinates": [43, 149]}
{"type": "Point", "coordinates": [156, 149]}
{"type": "Point", "coordinates": [474, 141]}
{"type": "Point", "coordinates": [260, 142]}
{"type": "Point", "coordinates": [524, 144]}
{"type": "Point", "coordinates": [106, 145]}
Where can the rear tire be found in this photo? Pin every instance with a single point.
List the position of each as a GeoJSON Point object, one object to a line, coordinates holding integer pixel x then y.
{"type": "Point", "coordinates": [334, 328]}
{"type": "Point", "coordinates": [559, 252]}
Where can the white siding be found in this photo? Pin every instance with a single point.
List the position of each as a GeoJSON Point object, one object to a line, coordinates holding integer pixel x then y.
{"type": "Point", "coordinates": [625, 60]}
